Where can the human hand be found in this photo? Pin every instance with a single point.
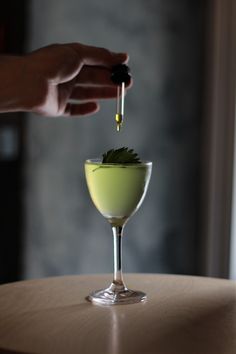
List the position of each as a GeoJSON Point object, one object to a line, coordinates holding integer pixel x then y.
{"type": "Point", "coordinates": [46, 79]}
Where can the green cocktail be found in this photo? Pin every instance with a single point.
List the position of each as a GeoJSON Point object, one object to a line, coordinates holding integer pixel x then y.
{"type": "Point", "coordinates": [117, 190]}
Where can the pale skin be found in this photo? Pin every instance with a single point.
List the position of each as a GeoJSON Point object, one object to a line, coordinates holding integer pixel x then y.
{"type": "Point", "coordinates": [46, 80]}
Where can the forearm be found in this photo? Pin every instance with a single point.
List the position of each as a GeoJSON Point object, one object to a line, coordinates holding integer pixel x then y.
{"type": "Point", "coordinates": [10, 75]}
{"type": "Point", "coordinates": [17, 84]}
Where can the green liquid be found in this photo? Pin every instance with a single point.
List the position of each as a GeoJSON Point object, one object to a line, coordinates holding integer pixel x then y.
{"type": "Point", "coordinates": [117, 190]}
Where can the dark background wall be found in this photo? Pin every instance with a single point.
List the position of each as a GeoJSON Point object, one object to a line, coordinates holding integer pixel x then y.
{"type": "Point", "coordinates": [13, 28]}
{"type": "Point", "coordinates": [61, 230]}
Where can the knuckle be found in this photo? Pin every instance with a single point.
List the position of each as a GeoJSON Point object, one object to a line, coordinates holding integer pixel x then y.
{"type": "Point", "coordinates": [105, 52]}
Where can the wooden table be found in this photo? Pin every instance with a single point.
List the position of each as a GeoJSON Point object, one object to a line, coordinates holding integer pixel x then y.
{"type": "Point", "coordinates": [182, 315]}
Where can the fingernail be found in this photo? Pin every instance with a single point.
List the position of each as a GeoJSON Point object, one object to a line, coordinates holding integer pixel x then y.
{"type": "Point", "coordinates": [122, 56]}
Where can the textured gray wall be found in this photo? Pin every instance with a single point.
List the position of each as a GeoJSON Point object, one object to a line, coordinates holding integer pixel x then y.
{"type": "Point", "coordinates": [64, 233]}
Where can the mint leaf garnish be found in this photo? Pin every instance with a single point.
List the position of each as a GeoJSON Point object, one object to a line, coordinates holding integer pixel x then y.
{"type": "Point", "coordinates": [121, 156]}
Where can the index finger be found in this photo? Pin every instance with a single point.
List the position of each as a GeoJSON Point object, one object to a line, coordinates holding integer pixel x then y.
{"type": "Point", "coordinates": [99, 56]}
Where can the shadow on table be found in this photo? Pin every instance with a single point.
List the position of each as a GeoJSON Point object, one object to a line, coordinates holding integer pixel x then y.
{"type": "Point", "coordinates": [207, 331]}
{"type": "Point", "coordinates": [200, 324]}
{"type": "Point", "coordinates": [6, 351]}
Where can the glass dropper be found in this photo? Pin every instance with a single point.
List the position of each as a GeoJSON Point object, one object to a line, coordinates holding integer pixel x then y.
{"type": "Point", "coordinates": [120, 106]}
{"type": "Point", "coordinates": [120, 76]}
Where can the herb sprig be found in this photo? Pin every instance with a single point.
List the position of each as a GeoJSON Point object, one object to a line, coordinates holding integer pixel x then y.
{"type": "Point", "coordinates": [122, 155]}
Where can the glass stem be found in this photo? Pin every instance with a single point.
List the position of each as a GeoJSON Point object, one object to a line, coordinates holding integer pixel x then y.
{"type": "Point", "coordinates": [118, 283]}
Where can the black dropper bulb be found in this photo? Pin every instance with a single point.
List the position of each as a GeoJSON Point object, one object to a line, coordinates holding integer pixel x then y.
{"type": "Point", "coordinates": [120, 73]}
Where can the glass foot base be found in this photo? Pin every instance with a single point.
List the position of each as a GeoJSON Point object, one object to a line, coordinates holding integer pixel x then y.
{"type": "Point", "coordinates": [118, 297]}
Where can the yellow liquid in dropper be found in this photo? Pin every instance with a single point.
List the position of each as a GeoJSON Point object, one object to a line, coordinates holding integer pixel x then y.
{"type": "Point", "coordinates": [119, 121]}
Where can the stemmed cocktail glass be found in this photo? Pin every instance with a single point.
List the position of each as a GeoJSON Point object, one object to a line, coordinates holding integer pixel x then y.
{"type": "Point", "coordinates": [117, 191]}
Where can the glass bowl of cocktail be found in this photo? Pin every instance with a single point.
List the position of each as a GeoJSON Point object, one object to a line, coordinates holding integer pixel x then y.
{"type": "Point", "coordinates": [117, 189]}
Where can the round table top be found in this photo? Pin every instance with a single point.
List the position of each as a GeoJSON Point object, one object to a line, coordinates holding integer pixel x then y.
{"type": "Point", "coordinates": [183, 314]}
